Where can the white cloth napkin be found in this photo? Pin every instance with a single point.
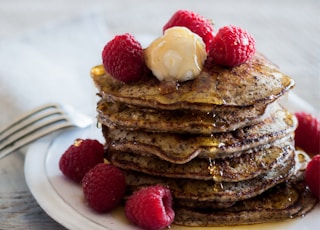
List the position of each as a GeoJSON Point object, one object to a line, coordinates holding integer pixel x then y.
{"type": "Point", "coordinates": [52, 64]}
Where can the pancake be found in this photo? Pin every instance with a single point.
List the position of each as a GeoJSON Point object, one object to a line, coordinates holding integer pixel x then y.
{"type": "Point", "coordinates": [121, 116]}
{"type": "Point", "coordinates": [248, 165]}
{"type": "Point", "coordinates": [200, 190]}
{"type": "Point", "coordinates": [181, 148]}
{"type": "Point", "coordinates": [285, 201]}
{"type": "Point", "coordinates": [196, 204]}
{"type": "Point", "coordinates": [272, 196]}
{"type": "Point", "coordinates": [256, 81]}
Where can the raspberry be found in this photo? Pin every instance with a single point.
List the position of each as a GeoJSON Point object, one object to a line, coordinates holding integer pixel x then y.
{"type": "Point", "coordinates": [150, 207]}
{"type": "Point", "coordinates": [231, 46]}
{"type": "Point", "coordinates": [80, 157]}
{"type": "Point", "coordinates": [123, 58]}
{"type": "Point", "coordinates": [307, 134]}
{"type": "Point", "coordinates": [104, 187]}
{"type": "Point", "coordinates": [194, 22]}
{"type": "Point", "coordinates": [312, 176]}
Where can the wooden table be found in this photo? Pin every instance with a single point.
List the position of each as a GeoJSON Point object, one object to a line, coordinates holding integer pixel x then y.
{"type": "Point", "coordinates": [286, 31]}
{"type": "Point", "coordinates": [19, 210]}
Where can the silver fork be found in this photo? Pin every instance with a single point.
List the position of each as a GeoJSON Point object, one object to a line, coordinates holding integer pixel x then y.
{"type": "Point", "coordinates": [38, 123]}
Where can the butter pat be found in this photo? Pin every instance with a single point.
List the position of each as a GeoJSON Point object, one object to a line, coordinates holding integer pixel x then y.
{"type": "Point", "coordinates": [178, 55]}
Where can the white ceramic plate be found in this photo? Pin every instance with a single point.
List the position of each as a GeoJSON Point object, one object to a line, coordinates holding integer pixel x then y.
{"type": "Point", "coordinates": [63, 200]}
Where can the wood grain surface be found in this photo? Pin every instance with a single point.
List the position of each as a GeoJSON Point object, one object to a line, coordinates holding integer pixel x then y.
{"type": "Point", "coordinates": [18, 208]}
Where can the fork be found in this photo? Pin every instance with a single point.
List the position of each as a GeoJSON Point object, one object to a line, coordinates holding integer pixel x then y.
{"type": "Point", "coordinates": [37, 123]}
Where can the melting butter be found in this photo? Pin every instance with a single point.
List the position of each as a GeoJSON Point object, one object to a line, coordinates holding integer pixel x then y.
{"type": "Point", "coordinates": [178, 55]}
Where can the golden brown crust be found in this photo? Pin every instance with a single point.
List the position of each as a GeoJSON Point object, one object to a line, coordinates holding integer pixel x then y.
{"type": "Point", "coordinates": [211, 191]}
{"type": "Point", "coordinates": [181, 148]}
{"type": "Point", "coordinates": [285, 201]}
{"type": "Point", "coordinates": [257, 81]}
{"type": "Point", "coordinates": [248, 165]}
{"type": "Point", "coordinates": [121, 116]}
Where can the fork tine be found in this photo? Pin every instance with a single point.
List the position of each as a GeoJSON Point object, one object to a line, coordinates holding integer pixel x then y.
{"type": "Point", "coordinates": [30, 138]}
{"type": "Point", "coordinates": [38, 123]}
{"type": "Point", "coordinates": [27, 115]}
{"type": "Point", "coordinates": [31, 129]}
{"type": "Point", "coordinates": [31, 118]}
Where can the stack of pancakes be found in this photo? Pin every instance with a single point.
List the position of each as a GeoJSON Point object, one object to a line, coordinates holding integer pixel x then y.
{"type": "Point", "coordinates": [221, 142]}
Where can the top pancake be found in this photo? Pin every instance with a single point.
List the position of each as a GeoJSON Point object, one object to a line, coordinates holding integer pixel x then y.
{"type": "Point", "coordinates": [256, 81]}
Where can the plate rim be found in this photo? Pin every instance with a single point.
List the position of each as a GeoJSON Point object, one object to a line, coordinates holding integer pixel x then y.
{"type": "Point", "coordinates": [41, 188]}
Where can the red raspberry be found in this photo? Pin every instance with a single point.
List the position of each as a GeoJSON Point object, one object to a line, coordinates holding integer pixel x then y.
{"type": "Point", "coordinates": [307, 135]}
{"type": "Point", "coordinates": [194, 22]}
{"type": "Point", "coordinates": [150, 207]}
{"type": "Point", "coordinates": [123, 58]}
{"type": "Point", "coordinates": [312, 176]}
{"type": "Point", "coordinates": [104, 187]}
{"type": "Point", "coordinates": [80, 157]}
{"type": "Point", "coordinates": [231, 46]}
